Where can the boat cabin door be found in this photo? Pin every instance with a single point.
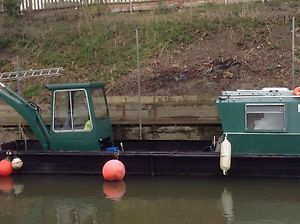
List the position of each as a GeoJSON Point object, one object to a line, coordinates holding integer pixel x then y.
{"type": "Point", "coordinates": [80, 120]}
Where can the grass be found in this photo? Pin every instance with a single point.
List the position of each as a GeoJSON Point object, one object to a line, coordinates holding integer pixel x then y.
{"type": "Point", "coordinates": [33, 90]}
{"type": "Point", "coordinates": [98, 45]}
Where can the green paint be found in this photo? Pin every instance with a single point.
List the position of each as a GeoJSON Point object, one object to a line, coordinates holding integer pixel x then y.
{"type": "Point", "coordinates": [73, 106]}
{"type": "Point", "coordinates": [29, 112]}
{"type": "Point", "coordinates": [79, 138]}
{"type": "Point", "coordinates": [277, 131]}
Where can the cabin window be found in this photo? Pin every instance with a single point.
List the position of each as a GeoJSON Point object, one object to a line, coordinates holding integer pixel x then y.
{"type": "Point", "coordinates": [71, 111]}
{"type": "Point", "coordinates": [265, 117]}
{"type": "Point", "coordinates": [99, 102]}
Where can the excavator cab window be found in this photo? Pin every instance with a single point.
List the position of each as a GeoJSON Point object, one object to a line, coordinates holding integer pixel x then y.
{"type": "Point", "coordinates": [100, 105]}
{"type": "Point", "coordinates": [71, 111]}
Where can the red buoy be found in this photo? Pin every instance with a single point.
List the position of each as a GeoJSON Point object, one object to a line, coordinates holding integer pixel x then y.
{"type": "Point", "coordinates": [5, 167]}
{"type": "Point", "coordinates": [296, 91]}
{"type": "Point", "coordinates": [113, 170]}
{"type": "Point", "coordinates": [114, 190]}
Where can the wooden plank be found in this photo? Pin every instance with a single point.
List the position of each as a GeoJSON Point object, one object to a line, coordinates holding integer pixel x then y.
{"type": "Point", "coordinates": [164, 110]}
{"type": "Point", "coordinates": [22, 6]}
{"type": "Point", "coordinates": [160, 110]}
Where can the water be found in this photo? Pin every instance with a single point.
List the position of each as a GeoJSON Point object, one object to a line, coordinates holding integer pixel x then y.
{"type": "Point", "coordinates": [137, 200]}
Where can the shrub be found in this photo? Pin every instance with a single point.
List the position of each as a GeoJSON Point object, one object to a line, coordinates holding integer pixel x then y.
{"type": "Point", "coordinates": [12, 7]}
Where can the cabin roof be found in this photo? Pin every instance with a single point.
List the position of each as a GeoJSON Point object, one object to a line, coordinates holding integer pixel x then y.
{"type": "Point", "coordinates": [264, 92]}
{"type": "Point", "coordinates": [265, 95]}
{"type": "Point", "coordinates": [74, 86]}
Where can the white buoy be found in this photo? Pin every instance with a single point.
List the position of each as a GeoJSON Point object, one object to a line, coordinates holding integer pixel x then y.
{"type": "Point", "coordinates": [225, 155]}
{"type": "Point", "coordinates": [16, 163]}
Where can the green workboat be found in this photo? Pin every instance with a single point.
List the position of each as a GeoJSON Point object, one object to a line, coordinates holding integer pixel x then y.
{"type": "Point", "coordinates": [261, 122]}
{"type": "Point", "coordinates": [260, 136]}
{"type": "Point", "coordinates": [79, 138]}
{"type": "Point", "coordinates": [261, 132]}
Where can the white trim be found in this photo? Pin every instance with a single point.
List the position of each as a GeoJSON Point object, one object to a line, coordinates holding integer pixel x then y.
{"type": "Point", "coordinates": [72, 128]}
{"type": "Point", "coordinates": [255, 96]}
{"type": "Point", "coordinates": [261, 133]}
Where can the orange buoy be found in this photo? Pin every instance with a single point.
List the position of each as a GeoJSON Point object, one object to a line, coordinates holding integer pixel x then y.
{"type": "Point", "coordinates": [113, 170]}
{"type": "Point", "coordinates": [5, 167]}
{"type": "Point", "coordinates": [296, 91]}
{"type": "Point", "coordinates": [114, 190]}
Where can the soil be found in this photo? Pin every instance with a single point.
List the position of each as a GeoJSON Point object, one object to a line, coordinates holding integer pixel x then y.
{"type": "Point", "coordinates": [226, 60]}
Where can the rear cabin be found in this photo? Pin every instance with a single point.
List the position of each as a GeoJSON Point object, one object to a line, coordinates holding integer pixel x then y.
{"type": "Point", "coordinates": [261, 122]}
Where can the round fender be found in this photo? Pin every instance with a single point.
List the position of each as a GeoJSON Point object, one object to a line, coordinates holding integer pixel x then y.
{"type": "Point", "coordinates": [225, 156]}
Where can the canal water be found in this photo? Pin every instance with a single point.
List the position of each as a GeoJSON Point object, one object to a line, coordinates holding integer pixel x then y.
{"type": "Point", "coordinates": [159, 200]}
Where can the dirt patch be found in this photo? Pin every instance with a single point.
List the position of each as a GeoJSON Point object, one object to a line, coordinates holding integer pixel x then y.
{"type": "Point", "coordinates": [227, 60]}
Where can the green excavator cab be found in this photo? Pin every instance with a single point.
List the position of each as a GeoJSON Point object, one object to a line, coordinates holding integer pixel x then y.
{"type": "Point", "coordinates": [79, 117]}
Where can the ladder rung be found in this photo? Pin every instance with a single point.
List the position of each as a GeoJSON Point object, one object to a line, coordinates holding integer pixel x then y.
{"type": "Point", "coordinates": [31, 73]}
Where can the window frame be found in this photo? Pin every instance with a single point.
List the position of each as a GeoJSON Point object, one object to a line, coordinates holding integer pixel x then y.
{"type": "Point", "coordinates": [95, 104]}
{"type": "Point", "coordinates": [71, 108]}
{"type": "Point", "coordinates": [266, 104]}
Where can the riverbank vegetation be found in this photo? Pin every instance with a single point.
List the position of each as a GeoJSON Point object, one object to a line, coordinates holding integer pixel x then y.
{"type": "Point", "coordinates": [93, 44]}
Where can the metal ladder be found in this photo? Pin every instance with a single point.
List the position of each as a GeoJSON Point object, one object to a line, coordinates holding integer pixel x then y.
{"type": "Point", "coordinates": [31, 73]}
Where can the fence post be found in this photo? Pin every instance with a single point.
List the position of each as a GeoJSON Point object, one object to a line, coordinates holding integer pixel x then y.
{"type": "Point", "coordinates": [293, 52]}
{"type": "Point", "coordinates": [139, 81]}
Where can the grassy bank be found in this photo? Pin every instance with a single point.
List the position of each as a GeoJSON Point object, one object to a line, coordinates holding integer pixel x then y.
{"type": "Point", "coordinates": [93, 44]}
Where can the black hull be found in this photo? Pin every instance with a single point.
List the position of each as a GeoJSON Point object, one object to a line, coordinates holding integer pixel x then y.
{"type": "Point", "coordinates": [146, 163]}
{"type": "Point", "coordinates": [151, 163]}
{"type": "Point", "coordinates": [153, 158]}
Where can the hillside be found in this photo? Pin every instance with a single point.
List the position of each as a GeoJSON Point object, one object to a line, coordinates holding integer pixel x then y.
{"type": "Point", "coordinates": [182, 52]}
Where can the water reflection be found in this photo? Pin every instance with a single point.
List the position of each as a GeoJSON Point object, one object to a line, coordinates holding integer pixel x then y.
{"type": "Point", "coordinates": [227, 204]}
{"type": "Point", "coordinates": [73, 214]}
{"type": "Point", "coordinates": [114, 190]}
{"type": "Point", "coordinates": [7, 185]}
{"type": "Point", "coordinates": [82, 199]}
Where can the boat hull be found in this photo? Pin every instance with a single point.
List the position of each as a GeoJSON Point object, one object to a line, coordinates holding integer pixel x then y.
{"type": "Point", "coordinates": [153, 163]}
{"type": "Point", "coordinates": [144, 163]}
{"type": "Point", "coordinates": [162, 157]}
